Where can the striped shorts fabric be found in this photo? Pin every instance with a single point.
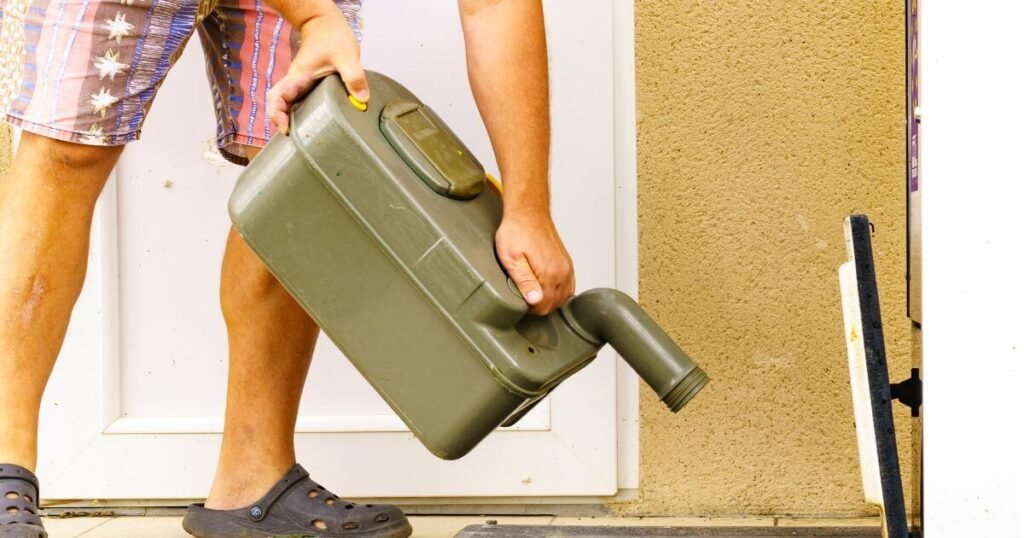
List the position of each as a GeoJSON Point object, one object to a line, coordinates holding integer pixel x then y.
{"type": "Point", "coordinates": [86, 71]}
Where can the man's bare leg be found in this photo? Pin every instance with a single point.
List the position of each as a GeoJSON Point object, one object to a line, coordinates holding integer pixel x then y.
{"type": "Point", "coordinates": [271, 341]}
{"type": "Point", "coordinates": [46, 207]}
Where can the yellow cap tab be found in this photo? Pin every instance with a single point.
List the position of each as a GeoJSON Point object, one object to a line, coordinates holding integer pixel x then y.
{"type": "Point", "coordinates": [361, 106]}
{"type": "Point", "coordinates": [494, 184]}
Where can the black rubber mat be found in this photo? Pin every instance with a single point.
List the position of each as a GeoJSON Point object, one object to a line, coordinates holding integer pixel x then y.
{"type": "Point", "coordinates": [548, 531]}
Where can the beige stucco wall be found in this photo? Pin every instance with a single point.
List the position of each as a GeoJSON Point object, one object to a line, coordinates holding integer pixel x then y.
{"type": "Point", "coordinates": [761, 125]}
{"type": "Point", "coordinates": [5, 147]}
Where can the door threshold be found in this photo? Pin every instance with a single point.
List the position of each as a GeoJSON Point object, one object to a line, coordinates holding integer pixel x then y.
{"type": "Point", "coordinates": [498, 506]}
{"type": "Point", "coordinates": [91, 509]}
{"type": "Point", "coordinates": [535, 531]}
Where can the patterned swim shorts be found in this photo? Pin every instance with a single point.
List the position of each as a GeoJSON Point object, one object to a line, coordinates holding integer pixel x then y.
{"type": "Point", "coordinates": [86, 71]}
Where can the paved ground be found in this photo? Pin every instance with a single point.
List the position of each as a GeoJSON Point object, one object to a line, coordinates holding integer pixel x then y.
{"type": "Point", "coordinates": [426, 526]}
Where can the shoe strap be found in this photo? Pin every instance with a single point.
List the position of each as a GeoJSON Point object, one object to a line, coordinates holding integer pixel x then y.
{"type": "Point", "coordinates": [294, 476]}
{"type": "Point", "coordinates": [10, 470]}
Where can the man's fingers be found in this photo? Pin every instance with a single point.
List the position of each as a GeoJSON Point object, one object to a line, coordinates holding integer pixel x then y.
{"type": "Point", "coordinates": [355, 79]}
{"type": "Point", "coordinates": [275, 106]}
{"type": "Point", "coordinates": [560, 284]}
{"type": "Point", "coordinates": [280, 120]}
{"type": "Point", "coordinates": [283, 95]}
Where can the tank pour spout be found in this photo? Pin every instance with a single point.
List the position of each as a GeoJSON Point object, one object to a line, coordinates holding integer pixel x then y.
{"type": "Point", "coordinates": [606, 315]}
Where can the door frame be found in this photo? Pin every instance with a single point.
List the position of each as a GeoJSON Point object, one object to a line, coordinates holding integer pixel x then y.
{"type": "Point", "coordinates": [627, 245]}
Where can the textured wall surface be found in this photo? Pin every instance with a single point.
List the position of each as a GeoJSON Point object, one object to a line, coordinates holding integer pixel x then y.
{"type": "Point", "coordinates": [5, 147]}
{"type": "Point", "coordinates": [763, 123]}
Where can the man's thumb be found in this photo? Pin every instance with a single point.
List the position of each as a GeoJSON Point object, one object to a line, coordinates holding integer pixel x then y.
{"type": "Point", "coordinates": [355, 80]}
{"type": "Point", "coordinates": [526, 281]}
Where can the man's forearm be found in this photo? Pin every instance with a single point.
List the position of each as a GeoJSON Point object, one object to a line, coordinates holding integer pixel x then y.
{"type": "Point", "coordinates": [506, 53]}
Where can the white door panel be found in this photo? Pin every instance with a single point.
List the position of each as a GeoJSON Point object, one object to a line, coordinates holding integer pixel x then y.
{"type": "Point", "coordinates": [134, 409]}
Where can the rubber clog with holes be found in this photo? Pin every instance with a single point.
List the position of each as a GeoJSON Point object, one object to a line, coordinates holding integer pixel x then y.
{"type": "Point", "coordinates": [298, 507]}
{"type": "Point", "coordinates": [20, 516]}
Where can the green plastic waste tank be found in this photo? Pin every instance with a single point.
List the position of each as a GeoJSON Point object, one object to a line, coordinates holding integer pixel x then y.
{"type": "Point", "coordinates": [381, 223]}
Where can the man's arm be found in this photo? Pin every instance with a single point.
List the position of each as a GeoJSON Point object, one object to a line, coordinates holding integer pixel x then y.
{"type": "Point", "coordinates": [506, 53]}
{"type": "Point", "coordinates": [327, 46]}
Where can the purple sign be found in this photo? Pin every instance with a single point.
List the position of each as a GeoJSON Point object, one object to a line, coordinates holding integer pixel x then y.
{"type": "Point", "coordinates": [913, 91]}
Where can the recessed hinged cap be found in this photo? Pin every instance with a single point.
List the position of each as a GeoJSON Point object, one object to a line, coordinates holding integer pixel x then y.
{"type": "Point", "coordinates": [437, 156]}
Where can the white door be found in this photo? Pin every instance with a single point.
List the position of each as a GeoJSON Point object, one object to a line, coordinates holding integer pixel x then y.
{"type": "Point", "coordinates": [134, 408]}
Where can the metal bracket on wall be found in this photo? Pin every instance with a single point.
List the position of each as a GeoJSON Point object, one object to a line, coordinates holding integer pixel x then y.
{"type": "Point", "coordinates": [908, 392]}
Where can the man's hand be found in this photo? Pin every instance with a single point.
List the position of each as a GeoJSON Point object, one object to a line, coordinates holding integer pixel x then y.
{"type": "Point", "coordinates": [327, 45]}
{"type": "Point", "coordinates": [530, 250]}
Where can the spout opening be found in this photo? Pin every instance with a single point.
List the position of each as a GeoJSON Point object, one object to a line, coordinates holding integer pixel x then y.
{"type": "Point", "coordinates": [685, 390]}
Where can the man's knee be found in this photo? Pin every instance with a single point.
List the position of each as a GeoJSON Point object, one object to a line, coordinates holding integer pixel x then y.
{"type": "Point", "coordinates": [66, 164]}
{"type": "Point", "coordinates": [245, 276]}
{"type": "Point", "coordinates": [69, 154]}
